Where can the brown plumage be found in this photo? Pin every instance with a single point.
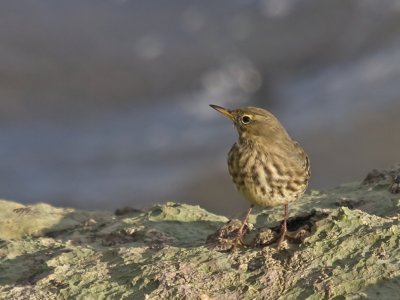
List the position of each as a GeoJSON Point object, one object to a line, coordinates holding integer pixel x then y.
{"type": "Point", "coordinates": [266, 165]}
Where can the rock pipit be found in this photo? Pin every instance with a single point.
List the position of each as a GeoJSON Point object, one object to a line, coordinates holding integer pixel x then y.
{"type": "Point", "coordinates": [266, 165]}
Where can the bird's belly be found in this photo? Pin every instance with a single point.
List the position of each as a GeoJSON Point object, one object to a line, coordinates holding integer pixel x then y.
{"type": "Point", "coordinates": [265, 195]}
{"type": "Point", "coordinates": [262, 181]}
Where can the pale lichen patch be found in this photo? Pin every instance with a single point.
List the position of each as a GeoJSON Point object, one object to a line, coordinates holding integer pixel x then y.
{"type": "Point", "coordinates": [345, 252]}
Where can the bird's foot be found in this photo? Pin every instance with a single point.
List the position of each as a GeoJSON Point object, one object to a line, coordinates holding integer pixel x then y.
{"type": "Point", "coordinates": [279, 240]}
{"type": "Point", "coordinates": [235, 243]}
{"type": "Point", "coordinates": [238, 240]}
{"type": "Point", "coordinates": [229, 236]}
{"type": "Point", "coordinates": [230, 244]}
{"type": "Point", "coordinates": [282, 236]}
{"type": "Point", "coordinates": [276, 240]}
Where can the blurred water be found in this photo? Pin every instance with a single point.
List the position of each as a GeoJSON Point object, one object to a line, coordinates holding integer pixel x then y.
{"type": "Point", "coordinates": [105, 103]}
{"type": "Point", "coordinates": [130, 156]}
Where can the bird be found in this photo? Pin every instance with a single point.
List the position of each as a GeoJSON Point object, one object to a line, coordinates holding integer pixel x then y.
{"type": "Point", "coordinates": [266, 165]}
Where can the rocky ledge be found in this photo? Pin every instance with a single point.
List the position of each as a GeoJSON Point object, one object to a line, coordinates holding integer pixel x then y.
{"type": "Point", "coordinates": [347, 247]}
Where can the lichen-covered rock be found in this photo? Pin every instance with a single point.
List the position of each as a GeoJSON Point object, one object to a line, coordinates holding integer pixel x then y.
{"type": "Point", "coordinates": [349, 247]}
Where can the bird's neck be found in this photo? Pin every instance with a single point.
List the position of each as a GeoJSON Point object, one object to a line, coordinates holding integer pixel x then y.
{"type": "Point", "coordinates": [246, 139]}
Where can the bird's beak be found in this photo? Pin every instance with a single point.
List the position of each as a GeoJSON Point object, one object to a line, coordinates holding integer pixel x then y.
{"type": "Point", "coordinates": [226, 112]}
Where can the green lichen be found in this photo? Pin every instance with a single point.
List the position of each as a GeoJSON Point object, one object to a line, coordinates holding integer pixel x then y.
{"type": "Point", "coordinates": [351, 251]}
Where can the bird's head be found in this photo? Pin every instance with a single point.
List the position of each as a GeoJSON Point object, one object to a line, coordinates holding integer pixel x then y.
{"type": "Point", "coordinates": [253, 122]}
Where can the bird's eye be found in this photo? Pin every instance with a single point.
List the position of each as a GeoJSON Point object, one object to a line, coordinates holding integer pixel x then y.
{"type": "Point", "coordinates": [246, 119]}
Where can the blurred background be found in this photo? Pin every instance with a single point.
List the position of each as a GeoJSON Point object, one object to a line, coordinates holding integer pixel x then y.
{"type": "Point", "coordinates": [104, 103]}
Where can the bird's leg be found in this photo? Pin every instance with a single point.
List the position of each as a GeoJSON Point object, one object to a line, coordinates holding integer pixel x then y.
{"type": "Point", "coordinates": [240, 233]}
{"type": "Point", "coordinates": [283, 232]}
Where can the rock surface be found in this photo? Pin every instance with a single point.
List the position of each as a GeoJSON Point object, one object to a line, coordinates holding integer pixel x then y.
{"type": "Point", "coordinates": [349, 249]}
